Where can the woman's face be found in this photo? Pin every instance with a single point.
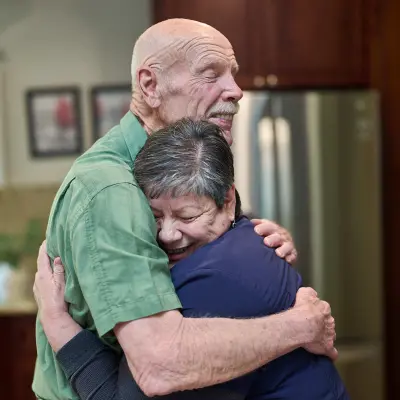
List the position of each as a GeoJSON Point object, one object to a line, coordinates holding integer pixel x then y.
{"type": "Point", "coordinates": [188, 222]}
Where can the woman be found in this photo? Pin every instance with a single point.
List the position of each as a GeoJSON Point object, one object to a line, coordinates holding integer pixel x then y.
{"type": "Point", "coordinates": [218, 266]}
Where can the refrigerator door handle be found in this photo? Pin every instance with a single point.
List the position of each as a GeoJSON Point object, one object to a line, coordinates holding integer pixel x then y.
{"type": "Point", "coordinates": [267, 157]}
{"type": "Point", "coordinates": [283, 137]}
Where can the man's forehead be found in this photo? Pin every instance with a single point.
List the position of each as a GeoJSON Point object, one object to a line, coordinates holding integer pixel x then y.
{"type": "Point", "coordinates": [215, 60]}
{"type": "Point", "coordinates": [203, 53]}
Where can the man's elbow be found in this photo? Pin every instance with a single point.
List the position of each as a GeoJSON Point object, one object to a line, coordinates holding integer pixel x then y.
{"type": "Point", "coordinates": [154, 386]}
{"type": "Point", "coordinates": [158, 377]}
{"type": "Point", "coordinates": [155, 353]}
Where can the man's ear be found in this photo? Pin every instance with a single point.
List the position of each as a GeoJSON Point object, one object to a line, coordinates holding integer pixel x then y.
{"type": "Point", "coordinates": [230, 202]}
{"type": "Point", "coordinates": [147, 82]}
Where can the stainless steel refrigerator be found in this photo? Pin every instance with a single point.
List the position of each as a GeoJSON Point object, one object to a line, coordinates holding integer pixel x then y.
{"type": "Point", "coordinates": [311, 161]}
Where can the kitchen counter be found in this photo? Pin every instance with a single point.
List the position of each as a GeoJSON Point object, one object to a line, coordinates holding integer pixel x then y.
{"type": "Point", "coordinates": [20, 308]}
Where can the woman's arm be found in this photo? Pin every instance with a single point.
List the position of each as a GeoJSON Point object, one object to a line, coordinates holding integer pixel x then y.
{"type": "Point", "coordinates": [92, 367]}
{"type": "Point", "coordinates": [49, 293]}
{"type": "Point", "coordinates": [49, 289]}
{"type": "Point", "coordinates": [94, 370]}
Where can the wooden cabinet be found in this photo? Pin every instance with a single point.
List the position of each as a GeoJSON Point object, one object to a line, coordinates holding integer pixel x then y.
{"type": "Point", "coordinates": [286, 43]}
{"type": "Point", "coordinates": [314, 42]}
{"type": "Point", "coordinates": [18, 356]}
{"type": "Point", "coordinates": [231, 17]}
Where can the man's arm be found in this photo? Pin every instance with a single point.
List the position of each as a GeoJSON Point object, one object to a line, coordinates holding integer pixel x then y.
{"type": "Point", "coordinates": [278, 237]}
{"type": "Point", "coordinates": [124, 277]}
{"type": "Point", "coordinates": [122, 272]}
{"type": "Point", "coordinates": [95, 371]}
{"type": "Point", "coordinates": [167, 352]}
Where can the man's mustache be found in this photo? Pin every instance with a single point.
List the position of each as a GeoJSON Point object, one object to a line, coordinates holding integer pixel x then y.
{"type": "Point", "coordinates": [223, 108]}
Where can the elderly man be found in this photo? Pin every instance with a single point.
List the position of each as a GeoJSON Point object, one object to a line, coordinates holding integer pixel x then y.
{"type": "Point", "coordinates": [117, 278]}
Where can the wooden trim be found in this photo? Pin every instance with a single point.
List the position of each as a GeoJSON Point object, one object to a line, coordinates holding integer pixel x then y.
{"type": "Point", "coordinates": [384, 76]}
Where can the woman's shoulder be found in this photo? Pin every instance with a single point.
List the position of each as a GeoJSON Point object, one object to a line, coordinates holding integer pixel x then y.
{"type": "Point", "coordinates": [241, 244]}
{"type": "Point", "coordinates": [241, 258]}
{"type": "Point", "coordinates": [238, 247]}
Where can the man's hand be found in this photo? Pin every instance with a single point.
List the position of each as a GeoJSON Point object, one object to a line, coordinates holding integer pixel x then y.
{"type": "Point", "coordinates": [276, 236]}
{"type": "Point", "coordinates": [320, 323]}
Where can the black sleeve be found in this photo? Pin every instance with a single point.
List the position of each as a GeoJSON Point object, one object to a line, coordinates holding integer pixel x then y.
{"type": "Point", "coordinates": [97, 372]}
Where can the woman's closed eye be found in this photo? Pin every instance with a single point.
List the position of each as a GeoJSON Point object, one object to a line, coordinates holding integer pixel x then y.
{"type": "Point", "coordinates": [187, 219]}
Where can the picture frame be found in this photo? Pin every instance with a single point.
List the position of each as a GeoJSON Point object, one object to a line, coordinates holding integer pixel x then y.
{"type": "Point", "coordinates": [54, 121]}
{"type": "Point", "coordinates": [109, 103]}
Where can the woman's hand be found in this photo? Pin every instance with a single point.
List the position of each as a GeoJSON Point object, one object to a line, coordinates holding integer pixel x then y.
{"type": "Point", "coordinates": [49, 289]}
{"type": "Point", "coordinates": [276, 236]}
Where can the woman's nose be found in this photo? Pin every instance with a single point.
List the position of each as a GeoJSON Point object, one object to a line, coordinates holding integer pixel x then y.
{"type": "Point", "coordinates": [169, 233]}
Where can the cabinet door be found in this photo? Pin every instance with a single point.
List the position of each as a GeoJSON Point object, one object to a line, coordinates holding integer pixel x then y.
{"type": "Point", "coordinates": [17, 334]}
{"type": "Point", "coordinates": [24, 356]}
{"type": "Point", "coordinates": [314, 42]}
{"type": "Point", "coordinates": [234, 18]}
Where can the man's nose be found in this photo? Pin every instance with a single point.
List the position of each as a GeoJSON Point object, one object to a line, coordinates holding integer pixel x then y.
{"type": "Point", "coordinates": [168, 233]}
{"type": "Point", "coordinates": [233, 93]}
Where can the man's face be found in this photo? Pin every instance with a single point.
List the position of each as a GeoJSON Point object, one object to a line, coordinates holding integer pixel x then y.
{"type": "Point", "coordinates": [202, 85]}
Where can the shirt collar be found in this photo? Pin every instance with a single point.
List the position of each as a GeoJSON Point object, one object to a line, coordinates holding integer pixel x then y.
{"type": "Point", "coordinates": [134, 135]}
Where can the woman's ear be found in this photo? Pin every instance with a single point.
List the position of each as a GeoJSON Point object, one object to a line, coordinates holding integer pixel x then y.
{"type": "Point", "coordinates": [148, 85]}
{"type": "Point", "coordinates": [230, 202]}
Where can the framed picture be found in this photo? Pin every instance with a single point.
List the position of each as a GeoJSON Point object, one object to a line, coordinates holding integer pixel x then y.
{"type": "Point", "coordinates": [109, 105]}
{"type": "Point", "coordinates": [54, 121]}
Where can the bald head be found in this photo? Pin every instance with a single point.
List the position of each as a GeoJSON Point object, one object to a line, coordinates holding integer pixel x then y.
{"type": "Point", "coordinates": [184, 69]}
{"type": "Point", "coordinates": [167, 42]}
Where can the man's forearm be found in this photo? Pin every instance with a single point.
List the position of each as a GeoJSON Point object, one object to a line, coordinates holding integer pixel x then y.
{"type": "Point", "coordinates": [224, 349]}
{"type": "Point", "coordinates": [201, 352]}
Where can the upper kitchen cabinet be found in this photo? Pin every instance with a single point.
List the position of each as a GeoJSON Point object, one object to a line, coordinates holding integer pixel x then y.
{"type": "Point", "coordinates": [314, 42]}
{"type": "Point", "coordinates": [234, 18]}
{"type": "Point", "coordinates": [286, 43]}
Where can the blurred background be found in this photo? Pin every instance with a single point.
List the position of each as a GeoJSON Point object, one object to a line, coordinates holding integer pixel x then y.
{"type": "Point", "coordinates": [316, 144]}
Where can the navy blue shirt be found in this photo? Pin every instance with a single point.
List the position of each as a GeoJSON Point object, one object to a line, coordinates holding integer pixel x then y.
{"type": "Point", "coordinates": [235, 276]}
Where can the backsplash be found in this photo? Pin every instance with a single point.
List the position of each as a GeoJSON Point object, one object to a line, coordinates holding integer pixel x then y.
{"type": "Point", "coordinates": [19, 205]}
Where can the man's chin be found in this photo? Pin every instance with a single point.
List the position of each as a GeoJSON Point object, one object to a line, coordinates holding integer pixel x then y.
{"type": "Point", "coordinates": [226, 126]}
{"type": "Point", "coordinates": [228, 137]}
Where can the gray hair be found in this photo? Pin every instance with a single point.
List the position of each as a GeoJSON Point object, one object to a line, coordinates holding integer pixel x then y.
{"type": "Point", "coordinates": [187, 157]}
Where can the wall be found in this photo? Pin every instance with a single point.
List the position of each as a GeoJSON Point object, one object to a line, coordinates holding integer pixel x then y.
{"type": "Point", "coordinates": [55, 43]}
{"type": "Point", "coordinates": [2, 138]}
{"type": "Point", "coordinates": [19, 205]}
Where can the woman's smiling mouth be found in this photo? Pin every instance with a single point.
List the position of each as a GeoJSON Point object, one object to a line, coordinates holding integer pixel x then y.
{"type": "Point", "coordinates": [178, 253]}
{"type": "Point", "coordinates": [180, 250]}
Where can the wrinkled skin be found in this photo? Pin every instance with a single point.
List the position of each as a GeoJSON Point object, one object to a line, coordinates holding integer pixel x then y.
{"type": "Point", "coordinates": [185, 68]}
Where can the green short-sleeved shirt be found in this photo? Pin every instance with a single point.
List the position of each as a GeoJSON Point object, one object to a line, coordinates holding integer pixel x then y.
{"type": "Point", "coordinates": [102, 227]}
